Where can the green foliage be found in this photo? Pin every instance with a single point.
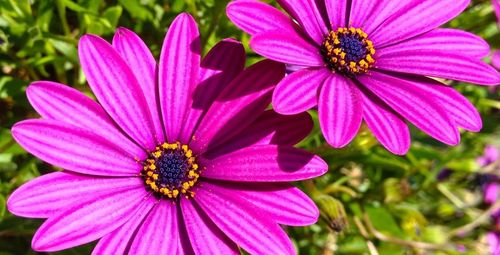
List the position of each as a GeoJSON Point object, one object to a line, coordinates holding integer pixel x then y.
{"type": "Point", "coordinates": [371, 201]}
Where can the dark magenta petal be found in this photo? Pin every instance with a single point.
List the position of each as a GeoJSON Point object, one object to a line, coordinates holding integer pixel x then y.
{"type": "Point", "coordinates": [340, 110]}
{"type": "Point", "coordinates": [264, 163]}
{"type": "Point", "coordinates": [236, 106]}
{"type": "Point", "coordinates": [205, 236]}
{"type": "Point", "coordinates": [178, 73]}
{"type": "Point", "coordinates": [218, 68]}
{"type": "Point", "coordinates": [299, 91]}
{"type": "Point", "coordinates": [255, 17]}
{"type": "Point", "coordinates": [89, 221]}
{"type": "Point", "coordinates": [269, 128]}
{"type": "Point", "coordinates": [142, 63]}
{"type": "Point", "coordinates": [117, 89]}
{"type": "Point", "coordinates": [337, 12]}
{"type": "Point", "coordinates": [63, 103]}
{"type": "Point", "coordinates": [245, 224]}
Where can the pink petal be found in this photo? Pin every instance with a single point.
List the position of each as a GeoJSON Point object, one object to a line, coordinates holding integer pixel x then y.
{"type": "Point", "coordinates": [416, 17]}
{"type": "Point", "coordinates": [178, 73]}
{"type": "Point", "coordinates": [457, 106]}
{"type": "Point", "coordinates": [383, 9]}
{"type": "Point", "coordinates": [236, 106]}
{"type": "Point", "coordinates": [269, 128]}
{"type": "Point", "coordinates": [308, 16]}
{"type": "Point", "coordinates": [287, 47]}
{"type": "Point", "coordinates": [422, 110]}
{"type": "Point", "coordinates": [255, 17]}
{"type": "Point", "coordinates": [88, 221]}
{"type": "Point", "coordinates": [73, 148]}
{"type": "Point", "coordinates": [282, 202]}
{"type": "Point", "coordinates": [63, 103]}
{"type": "Point", "coordinates": [439, 64]}
{"type": "Point", "coordinates": [118, 241]}
{"type": "Point", "coordinates": [159, 232]}
{"type": "Point", "coordinates": [205, 236]}
{"type": "Point", "coordinates": [142, 63]}
{"type": "Point", "coordinates": [47, 195]}
{"type": "Point", "coordinates": [443, 40]}
{"type": "Point", "coordinates": [218, 68]}
{"type": "Point", "coordinates": [337, 12]}
{"type": "Point", "coordinates": [117, 89]}
{"type": "Point", "coordinates": [245, 224]}
{"type": "Point", "coordinates": [495, 59]}
{"type": "Point", "coordinates": [388, 127]}
{"type": "Point", "coordinates": [361, 10]}
{"type": "Point", "coordinates": [264, 163]}
{"type": "Point", "coordinates": [340, 110]}
{"type": "Point", "coordinates": [298, 92]}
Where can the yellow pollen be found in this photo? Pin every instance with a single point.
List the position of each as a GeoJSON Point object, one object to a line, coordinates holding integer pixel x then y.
{"type": "Point", "coordinates": [348, 51]}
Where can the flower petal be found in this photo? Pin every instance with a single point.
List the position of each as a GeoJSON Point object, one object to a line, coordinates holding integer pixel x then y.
{"type": "Point", "coordinates": [178, 73]}
{"type": "Point", "coordinates": [119, 241]}
{"type": "Point", "coordinates": [444, 40]}
{"type": "Point", "coordinates": [340, 110]}
{"type": "Point", "coordinates": [218, 68]}
{"type": "Point", "coordinates": [282, 202]}
{"type": "Point", "coordinates": [89, 221]}
{"type": "Point", "coordinates": [298, 92]}
{"type": "Point", "coordinates": [205, 236]}
{"type": "Point", "coordinates": [142, 63]}
{"type": "Point", "coordinates": [287, 47]}
{"type": "Point", "coordinates": [416, 17]}
{"type": "Point", "coordinates": [73, 148]}
{"type": "Point", "coordinates": [161, 231]}
{"type": "Point", "coordinates": [439, 64]}
{"type": "Point", "coordinates": [495, 59]}
{"type": "Point", "coordinates": [361, 10]}
{"type": "Point", "coordinates": [245, 224]}
{"type": "Point", "coordinates": [423, 111]}
{"type": "Point", "coordinates": [236, 106]}
{"type": "Point", "coordinates": [308, 16]}
{"type": "Point", "coordinates": [255, 17]}
{"type": "Point", "coordinates": [47, 195]}
{"type": "Point", "coordinates": [264, 163]}
{"type": "Point", "coordinates": [337, 12]}
{"type": "Point", "coordinates": [117, 89]}
{"type": "Point", "coordinates": [63, 103]}
{"type": "Point", "coordinates": [388, 127]}
{"type": "Point", "coordinates": [269, 128]}
{"type": "Point", "coordinates": [457, 106]}
{"type": "Point", "coordinates": [383, 9]}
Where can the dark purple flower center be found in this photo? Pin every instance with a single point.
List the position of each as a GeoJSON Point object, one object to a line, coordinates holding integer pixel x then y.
{"type": "Point", "coordinates": [170, 171]}
{"type": "Point", "coordinates": [348, 51]}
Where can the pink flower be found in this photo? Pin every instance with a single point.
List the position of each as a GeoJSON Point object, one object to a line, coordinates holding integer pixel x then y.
{"type": "Point", "coordinates": [369, 60]}
{"type": "Point", "coordinates": [187, 163]}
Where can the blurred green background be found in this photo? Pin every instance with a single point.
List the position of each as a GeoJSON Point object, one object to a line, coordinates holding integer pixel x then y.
{"type": "Point", "coordinates": [372, 202]}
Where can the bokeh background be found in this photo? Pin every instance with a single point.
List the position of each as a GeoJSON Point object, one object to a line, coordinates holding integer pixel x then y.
{"type": "Point", "coordinates": [431, 201]}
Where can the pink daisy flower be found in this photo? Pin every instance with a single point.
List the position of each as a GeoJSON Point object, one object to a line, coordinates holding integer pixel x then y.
{"type": "Point", "coordinates": [370, 60]}
{"type": "Point", "coordinates": [495, 60]}
{"type": "Point", "coordinates": [187, 163]}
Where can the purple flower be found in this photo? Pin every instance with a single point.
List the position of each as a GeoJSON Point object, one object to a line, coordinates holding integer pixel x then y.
{"type": "Point", "coordinates": [491, 193]}
{"type": "Point", "coordinates": [491, 154]}
{"type": "Point", "coordinates": [187, 163]}
{"type": "Point", "coordinates": [495, 59]}
{"type": "Point", "coordinates": [493, 239]}
{"type": "Point", "coordinates": [369, 59]}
